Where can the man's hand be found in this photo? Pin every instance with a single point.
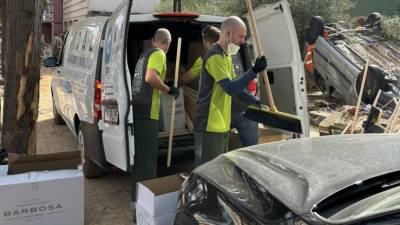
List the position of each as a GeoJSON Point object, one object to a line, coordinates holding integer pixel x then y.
{"type": "Point", "coordinates": [260, 64]}
{"type": "Point", "coordinates": [173, 91]}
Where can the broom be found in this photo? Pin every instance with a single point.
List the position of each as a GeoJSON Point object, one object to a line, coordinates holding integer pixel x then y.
{"type": "Point", "coordinates": [269, 115]}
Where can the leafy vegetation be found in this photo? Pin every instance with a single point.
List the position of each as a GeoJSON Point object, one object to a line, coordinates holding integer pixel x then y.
{"type": "Point", "coordinates": [302, 10]}
{"type": "Point", "coordinates": [391, 27]}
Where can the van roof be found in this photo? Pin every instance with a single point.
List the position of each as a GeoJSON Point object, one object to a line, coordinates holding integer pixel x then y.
{"type": "Point", "coordinates": [141, 18]}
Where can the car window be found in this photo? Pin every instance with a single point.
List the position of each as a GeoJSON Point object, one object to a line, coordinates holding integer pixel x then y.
{"type": "Point", "coordinates": [363, 200]}
{"type": "Point", "coordinates": [385, 201]}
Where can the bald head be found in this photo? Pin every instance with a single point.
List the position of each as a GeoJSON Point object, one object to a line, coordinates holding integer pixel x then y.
{"type": "Point", "coordinates": [233, 30]}
{"type": "Point", "coordinates": [162, 39]}
{"type": "Point", "coordinates": [162, 36]}
{"type": "Point", "coordinates": [232, 23]}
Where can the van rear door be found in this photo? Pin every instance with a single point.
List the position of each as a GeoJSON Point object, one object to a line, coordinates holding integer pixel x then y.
{"type": "Point", "coordinates": [285, 69]}
{"type": "Point", "coordinates": [118, 139]}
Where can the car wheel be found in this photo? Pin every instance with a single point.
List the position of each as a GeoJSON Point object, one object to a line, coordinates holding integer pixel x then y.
{"type": "Point", "coordinates": [316, 29]}
{"type": "Point", "coordinates": [90, 168]}
{"type": "Point", "coordinates": [373, 20]}
{"type": "Point", "coordinates": [375, 80]}
{"type": "Point", "coordinates": [56, 116]}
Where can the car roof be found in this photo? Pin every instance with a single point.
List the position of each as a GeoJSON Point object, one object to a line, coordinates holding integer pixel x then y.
{"type": "Point", "coordinates": [302, 172]}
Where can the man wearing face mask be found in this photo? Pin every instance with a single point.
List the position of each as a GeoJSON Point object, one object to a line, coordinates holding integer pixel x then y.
{"type": "Point", "coordinates": [147, 84]}
{"type": "Point", "coordinates": [217, 85]}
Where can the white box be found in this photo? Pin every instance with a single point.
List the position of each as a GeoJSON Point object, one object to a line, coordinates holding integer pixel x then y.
{"type": "Point", "coordinates": [159, 197]}
{"type": "Point", "coordinates": [42, 198]}
{"type": "Point", "coordinates": [143, 217]}
{"type": "Point", "coordinates": [166, 104]}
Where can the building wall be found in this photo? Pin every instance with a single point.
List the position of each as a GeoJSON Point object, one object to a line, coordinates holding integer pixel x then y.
{"type": "Point", "coordinates": [58, 17]}
{"type": "Point", "coordinates": [73, 11]}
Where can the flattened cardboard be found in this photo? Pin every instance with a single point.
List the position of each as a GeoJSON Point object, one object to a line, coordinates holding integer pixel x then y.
{"type": "Point", "coordinates": [56, 161]}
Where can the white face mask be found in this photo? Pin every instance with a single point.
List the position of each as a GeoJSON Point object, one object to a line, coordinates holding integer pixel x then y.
{"type": "Point", "coordinates": [233, 49]}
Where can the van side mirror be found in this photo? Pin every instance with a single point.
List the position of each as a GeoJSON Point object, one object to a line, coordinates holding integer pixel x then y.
{"type": "Point", "coordinates": [50, 62]}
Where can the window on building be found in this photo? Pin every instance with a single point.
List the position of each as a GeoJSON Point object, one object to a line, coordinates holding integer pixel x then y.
{"type": "Point", "coordinates": [48, 11]}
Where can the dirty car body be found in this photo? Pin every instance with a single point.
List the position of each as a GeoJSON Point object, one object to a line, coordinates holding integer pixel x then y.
{"type": "Point", "coordinates": [340, 59]}
{"type": "Point", "coordinates": [348, 179]}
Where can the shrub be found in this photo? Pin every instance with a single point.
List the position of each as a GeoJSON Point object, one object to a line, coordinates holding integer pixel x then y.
{"type": "Point", "coordinates": [391, 27]}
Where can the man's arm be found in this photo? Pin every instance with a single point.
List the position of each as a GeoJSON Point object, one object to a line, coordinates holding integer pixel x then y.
{"type": "Point", "coordinates": [154, 80]}
{"type": "Point", "coordinates": [247, 98]}
{"type": "Point", "coordinates": [234, 87]}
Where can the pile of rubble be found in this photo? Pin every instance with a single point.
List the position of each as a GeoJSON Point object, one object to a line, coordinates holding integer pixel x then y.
{"type": "Point", "coordinates": [332, 117]}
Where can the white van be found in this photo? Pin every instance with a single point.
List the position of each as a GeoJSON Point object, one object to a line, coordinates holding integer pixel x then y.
{"type": "Point", "coordinates": [92, 84]}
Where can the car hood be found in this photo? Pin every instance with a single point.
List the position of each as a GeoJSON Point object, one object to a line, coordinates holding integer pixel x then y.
{"type": "Point", "coordinates": [299, 173]}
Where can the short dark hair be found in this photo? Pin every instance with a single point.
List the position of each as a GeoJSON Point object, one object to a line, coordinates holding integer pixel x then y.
{"type": "Point", "coordinates": [210, 33]}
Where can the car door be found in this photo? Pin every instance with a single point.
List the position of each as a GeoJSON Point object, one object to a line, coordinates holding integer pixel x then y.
{"type": "Point", "coordinates": [285, 68]}
{"type": "Point", "coordinates": [118, 139]}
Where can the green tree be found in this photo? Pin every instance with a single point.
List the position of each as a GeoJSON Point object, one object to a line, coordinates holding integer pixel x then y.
{"type": "Point", "coordinates": [302, 10]}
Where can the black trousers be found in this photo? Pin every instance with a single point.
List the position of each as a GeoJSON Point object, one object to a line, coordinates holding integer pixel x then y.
{"type": "Point", "coordinates": [146, 152]}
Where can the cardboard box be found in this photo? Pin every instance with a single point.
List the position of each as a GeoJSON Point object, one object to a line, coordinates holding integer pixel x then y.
{"type": "Point", "coordinates": [143, 217]}
{"type": "Point", "coordinates": [159, 197]}
{"type": "Point", "coordinates": [166, 111]}
{"type": "Point", "coordinates": [54, 161]}
{"type": "Point", "coordinates": [42, 198]}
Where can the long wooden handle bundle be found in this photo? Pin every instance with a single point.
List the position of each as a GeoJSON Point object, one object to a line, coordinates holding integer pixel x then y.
{"type": "Point", "coordinates": [172, 125]}
{"type": "Point", "coordinates": [360, 94]}
{"type": "Point", "coordinates": [259, 52]}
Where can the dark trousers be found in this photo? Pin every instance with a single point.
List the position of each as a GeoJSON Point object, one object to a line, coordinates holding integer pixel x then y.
{"type": "Point", "coordinates": [209, 145]}
{"type": "Point", "coordinates": [146, 152]}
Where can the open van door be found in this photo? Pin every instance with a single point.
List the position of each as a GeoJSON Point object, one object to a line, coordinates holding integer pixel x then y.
{"type": "Point", "coordinates": [285, 69]}
{"type": "Point", "coordinates": [118, 139]}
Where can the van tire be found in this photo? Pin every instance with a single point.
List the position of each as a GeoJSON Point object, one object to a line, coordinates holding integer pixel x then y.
{"type": "Point", "coordinates": [90, 168]}
{"type": "Point", "coordinates": [375, 81]}
{"type": "Point", "coordinates": [316, 29]}
{"type": "Point", "coordinates": [56, 116]}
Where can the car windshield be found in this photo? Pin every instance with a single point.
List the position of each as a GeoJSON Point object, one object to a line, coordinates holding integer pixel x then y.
{"type": "Point", "coordinates": [385, 201]}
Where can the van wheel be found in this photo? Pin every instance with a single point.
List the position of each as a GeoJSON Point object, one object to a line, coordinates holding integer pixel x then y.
{"type": "Point", "coordinates": [375, 81]}
{"type": "Point", "coordinates": [90, 168]}
{"type": "Point", "coordinates": [56, 116]}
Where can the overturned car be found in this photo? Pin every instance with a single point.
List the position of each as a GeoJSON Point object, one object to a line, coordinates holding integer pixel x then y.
{"type": "Point", "coordinates": [337, 54]}
{"type": "Point", "coordinates": [348, 179]}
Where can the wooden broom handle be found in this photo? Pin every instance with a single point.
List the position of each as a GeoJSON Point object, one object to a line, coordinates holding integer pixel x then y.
{"type": "Point", "coordinates": [259, 52]}
{"type": "Point", "coordinates": [360, 96]}
{"type": "Point", "coordinates": [172, 125]}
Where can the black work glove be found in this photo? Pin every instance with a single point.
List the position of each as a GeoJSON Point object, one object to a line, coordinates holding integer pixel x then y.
{"type": "Point", "coordinates": [173, 91]}
{"type": "Point", "coordinates": [260, 64]}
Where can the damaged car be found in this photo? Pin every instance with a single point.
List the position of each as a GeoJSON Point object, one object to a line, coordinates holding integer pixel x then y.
{"type": "Point", "coordinates": [347, 179]}
{"type": "Point", "coordinates": [337, 54]}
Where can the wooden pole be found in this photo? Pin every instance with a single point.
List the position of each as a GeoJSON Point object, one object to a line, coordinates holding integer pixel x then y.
{"type": "Point", "coordinates": [360, 94]}
{"type": "Point", "coordinates": [21, 45]}
{"type": "Point", "coordinates": [259, 52]}
{"type": "Point", "coordinates": [172, 125]}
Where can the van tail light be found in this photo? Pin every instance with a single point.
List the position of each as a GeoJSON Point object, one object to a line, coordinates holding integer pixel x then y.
{"type": "Point", "coordinates": [97, 100]}
{"type": "Point", "coordinates": [253, 87]}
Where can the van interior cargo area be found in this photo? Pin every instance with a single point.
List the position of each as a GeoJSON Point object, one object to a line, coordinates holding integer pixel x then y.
{"type": "Point", "coordinates": [140, 39]}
